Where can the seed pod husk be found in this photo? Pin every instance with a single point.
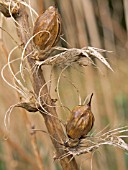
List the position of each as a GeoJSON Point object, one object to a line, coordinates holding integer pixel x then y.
{"type": "Point", "coordinates": [80, 121]}
{"type": "Point", "coordinates": [47, 29]}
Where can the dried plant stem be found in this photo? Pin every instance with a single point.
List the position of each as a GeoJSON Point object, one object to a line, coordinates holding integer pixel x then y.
{"type": "Point", "coordinates": [28, 125]}
{"type": "Point", "coordinates": [19, 150]}
{"type": "Point", "coordinates": [36, 151]}
{"type": "Point", "coordinates": [53, 125]}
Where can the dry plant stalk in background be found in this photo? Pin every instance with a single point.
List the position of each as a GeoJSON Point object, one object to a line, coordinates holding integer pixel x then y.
{"type": "Point", "coordinates": [45, 37]}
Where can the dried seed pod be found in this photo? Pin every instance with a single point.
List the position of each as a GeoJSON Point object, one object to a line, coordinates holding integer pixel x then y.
{"type": "Point", "coordinates": [80, 122]}
{"type": "Point", "coordinates": [47, 29]}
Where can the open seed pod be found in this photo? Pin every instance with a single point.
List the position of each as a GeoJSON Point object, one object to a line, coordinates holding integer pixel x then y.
{"type": "Point", "coordinates": [47, 29]}
{"type": "Point", "coordinates": [80, 122]}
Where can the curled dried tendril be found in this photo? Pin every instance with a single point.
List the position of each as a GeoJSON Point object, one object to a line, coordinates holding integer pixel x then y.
{"type": "Point", "coordinates": [11, 8]}
{"type": "Point", "coordinates": [28, 99]}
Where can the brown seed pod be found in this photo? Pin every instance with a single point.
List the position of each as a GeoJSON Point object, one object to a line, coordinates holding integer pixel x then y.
{"type": "Point", "coordinates": [80, 122]}
{"type": "Point", "coordinates": [47, 29]}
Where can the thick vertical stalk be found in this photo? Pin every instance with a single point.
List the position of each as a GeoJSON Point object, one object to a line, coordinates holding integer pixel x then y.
{"type": "Point", "coordinates": [52, 124]}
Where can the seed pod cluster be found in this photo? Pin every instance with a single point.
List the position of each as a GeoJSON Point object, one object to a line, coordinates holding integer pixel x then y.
{"type": "Point", "coordinates": [80, 122]}
{"type": "Point", "coordinates": [47, 29]}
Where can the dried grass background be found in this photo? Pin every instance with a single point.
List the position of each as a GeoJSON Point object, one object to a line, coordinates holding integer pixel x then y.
{"type": "Point", "coordinates": [98, 23]}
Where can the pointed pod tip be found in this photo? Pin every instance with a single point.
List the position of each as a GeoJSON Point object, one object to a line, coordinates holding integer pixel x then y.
{"type": "Point", "coordinates": [89, 103]}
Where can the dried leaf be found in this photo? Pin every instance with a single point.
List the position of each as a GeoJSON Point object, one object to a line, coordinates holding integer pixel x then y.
{"type": "Point", "coordinates": [94, 52]}
{"type": "Point", "coordinates": [67, 57]}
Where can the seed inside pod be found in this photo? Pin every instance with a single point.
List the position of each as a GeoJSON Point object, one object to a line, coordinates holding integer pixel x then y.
{"type": "Point", "coordinates": [47, 29]}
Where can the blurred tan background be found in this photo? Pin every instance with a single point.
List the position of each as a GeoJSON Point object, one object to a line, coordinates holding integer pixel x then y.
{"type": "Point", "coordinates": [99, 23]}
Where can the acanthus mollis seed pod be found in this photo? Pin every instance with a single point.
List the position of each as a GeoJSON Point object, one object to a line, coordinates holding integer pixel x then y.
{"type": "Point", "coordinates": [80, 123]}
{"type": "Point", "coordinates": [47, 29]}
